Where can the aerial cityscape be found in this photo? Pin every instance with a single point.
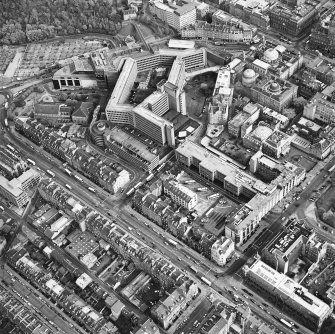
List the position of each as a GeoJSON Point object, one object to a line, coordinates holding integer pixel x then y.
{"type": "Point", "coordinates": [167, 167]}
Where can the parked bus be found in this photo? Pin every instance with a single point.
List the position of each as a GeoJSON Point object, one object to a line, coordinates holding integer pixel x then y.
{"type": "Point", "coordinates": [209, 283]}
{"type": "Point", "coordinates": [331, 169]}
{"type": "Point", "coordinates": [161, 166]}
{"type": "Point", "coordinates": [194, 269]}
{"type": "Point", "coordinates": [172, 242]}
{"type": "Point", "coordinates": [11, 148]}
{"type": "Point", "coordinates": [32, 162]}
{"type": "Point", "coordinates": [189, 181]}
{"type": "Point", "coordinates": [129, 192]}
{"type": "Point", "coordinates": [286, 323]}
{"type": "Point", "coordinates": [150, 177]}
{"type": "Point", "coordinates": [208, 213]}
{"type": "Point", "coordinates": [50, 173]}
{"type": "Point", "coordinates": [91, 189]}
{"type": "Point", "coordinates": [68, 186]}
{"type": "Point", "coordinates": [213, 196]}
{"type": "Point", "coordinates": [138, 185]}
{"type": "Point", "coordinates": [68, 171]}
{"type": "Point", "coordinates": [202, 189]}
{"type": "Point", "coordinates": [78, 178]}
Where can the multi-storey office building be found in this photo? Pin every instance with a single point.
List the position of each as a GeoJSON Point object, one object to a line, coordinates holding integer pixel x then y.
{"type": "Point", "coordinates": [120, 112]}
{"type": "Point", "coordinates": [286, 247]}
{"type": "Point", "coordinates": [174, 15]}
{"type": "Point", "coordinates": [296, 20]}
{"type": "Point", "coordinates": [19, 190]}
{"type": "Point", "coordinates": [288, 295]}
{"type": "Point", "coordinates": [260, 197]}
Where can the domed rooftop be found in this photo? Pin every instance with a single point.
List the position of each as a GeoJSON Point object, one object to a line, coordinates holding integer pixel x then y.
{"type": "Point", "coordinates": [274, 87]}
{"type": "Point", "coordinates": [262, 132]}
{"type": "Point", "coordinates": [271, 54]}
{"type": "Point", "coordinates": [249, 73]}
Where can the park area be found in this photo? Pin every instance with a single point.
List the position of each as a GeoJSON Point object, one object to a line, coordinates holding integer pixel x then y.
{"type": "Point", "coordinates": [326, 205]}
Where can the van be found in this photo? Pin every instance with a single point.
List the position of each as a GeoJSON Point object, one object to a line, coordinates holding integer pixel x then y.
{"type": "Point", "coordinates": [2, 209]}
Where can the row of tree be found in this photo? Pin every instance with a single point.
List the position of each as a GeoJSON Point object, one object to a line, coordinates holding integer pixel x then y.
{"type": "Point", "coordinates": [23, 21]}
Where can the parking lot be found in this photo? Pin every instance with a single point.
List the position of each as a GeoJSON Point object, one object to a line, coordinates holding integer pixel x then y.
{"type": "Point", "coordinates": [36, 56]}
{"type": "Point", "coordinates": [212, 207]}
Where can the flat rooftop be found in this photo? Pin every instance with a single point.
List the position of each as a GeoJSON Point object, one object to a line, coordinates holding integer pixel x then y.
{"type": "Point", "coordinates": [214, 163]}
{"type": "Point", "coordinates": [284, 240]}
{"type": "Point", "coordinates": [130, 142]}
{"type": "Point", "coordinates": [289, 288]}
{"type": "Point", "coordinates": [181, 44]}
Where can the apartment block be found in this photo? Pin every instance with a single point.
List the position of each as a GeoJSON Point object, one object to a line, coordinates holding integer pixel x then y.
{"type": "Point", "coordinates": [180, 194]}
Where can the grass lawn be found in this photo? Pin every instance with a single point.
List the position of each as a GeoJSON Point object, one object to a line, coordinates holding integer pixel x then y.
{"type": "Point", "coordinates": [327, 200]}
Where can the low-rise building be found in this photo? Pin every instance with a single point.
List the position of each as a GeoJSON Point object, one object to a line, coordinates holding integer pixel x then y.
{"type": "Point", "coordinates": [170, 306]}
{"type": "Point", "coordinates": [277, 144]}
{"type": "Point", "coordinates": [323, 69]}
{"type": "Point", "coordinates": [222, 250]}
{"type": "Point", "coordinates": [80, 73]}
{"type": "Point", "coordinates": [11, 164]}
{"type": "Point", "coordinates": [180, 194]}
{"type": "Point", "coordinates": [129, 14]}
{"type": "Point", "coordinates": [149, 327]}
{"type": "Point", "coordinates": [82, 113]}
{"type": "Point", "coordinates": [23, 315]}
{"type": "Point", "coordinates": [322, 106]}
{"type": "Point", "coordinates": [53, 113]}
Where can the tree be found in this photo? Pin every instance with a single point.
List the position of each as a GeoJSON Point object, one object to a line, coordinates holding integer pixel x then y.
{"type": "Point", "coordinates": [299, 103]}
{"type": "Point", "coordinates": [208, 17]}
{"type": "Point", "coordinates": [62, 96]}
{"type": "Point", "coordinates": [19, 102]}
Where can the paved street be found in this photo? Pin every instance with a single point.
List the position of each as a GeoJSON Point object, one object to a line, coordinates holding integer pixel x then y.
{"type": "Point", "coordinates": [117, 207]}
{"type": "Point", "coordinates": [46, 310]}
